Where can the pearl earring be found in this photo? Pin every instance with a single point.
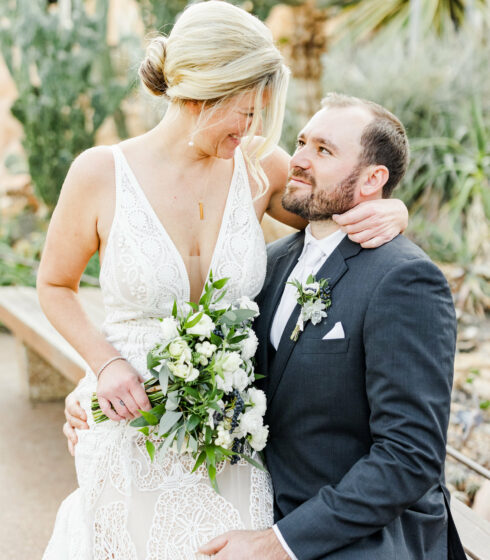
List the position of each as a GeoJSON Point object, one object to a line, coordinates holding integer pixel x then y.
{"type": "Point", "coordinates": [190, 143]}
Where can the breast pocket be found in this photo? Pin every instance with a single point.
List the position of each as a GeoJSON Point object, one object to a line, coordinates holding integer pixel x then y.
{"type": "Point", "coordinates": [319, 346]}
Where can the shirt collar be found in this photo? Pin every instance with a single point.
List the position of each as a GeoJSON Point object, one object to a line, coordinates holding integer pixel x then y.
{"type": "Point", "coordinates": [327, 244]}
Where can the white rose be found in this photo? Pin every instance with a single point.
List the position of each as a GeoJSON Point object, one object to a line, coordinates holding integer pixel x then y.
{"type": "Point", "coordinates": [204, 327]}
{"type": "Point", "coordinates": [179, 350]}
{"type": "Point", "coordinates": [225, 383]}
{"type": "Point", "coordinates": [246, 303]}
{"type": "Point", "coordinates": [170, 328]}
{"type": "Point", "coordinates": [259, 438]}
{"type": "Point", "coordinates": [251, 421]}
{"type": "Point", "coordinates": [203, 360]}
{"type": "Point", "coordinates": [229, 361]}
{"type": "Point", "coordinates": [240, 379]}
{"type": "Point", "coordinates": [206, 349]}
{"type": "Point", "coordinates": [184, 371]}
{"type": "Point", "coordinates": [248, 346]}
{"type": "Point", "coordinates": [224, 438]}
{"type": "Point", "coordinates": [312, 288]}
{"type": "Point", "coordinates": [257, 397]}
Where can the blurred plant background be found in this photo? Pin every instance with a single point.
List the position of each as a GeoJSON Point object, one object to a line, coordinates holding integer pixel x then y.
{"type": "Point", "coordinates": [70, 74]}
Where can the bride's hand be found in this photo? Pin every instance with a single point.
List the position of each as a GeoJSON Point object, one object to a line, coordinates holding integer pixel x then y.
{"type": "Point", "coordinates": [75, 418]}
{"type": "Point", "coordinates": [119, 385]}
{"type": "Point", "coordinates": [375, 222]}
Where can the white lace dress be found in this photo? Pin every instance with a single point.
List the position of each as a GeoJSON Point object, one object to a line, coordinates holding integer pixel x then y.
{"type": "Point", "coordinates": [126, 507]}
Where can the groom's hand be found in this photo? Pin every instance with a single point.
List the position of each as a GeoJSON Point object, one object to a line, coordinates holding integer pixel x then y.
{"type": "Point", "coordinates": [246, 545]}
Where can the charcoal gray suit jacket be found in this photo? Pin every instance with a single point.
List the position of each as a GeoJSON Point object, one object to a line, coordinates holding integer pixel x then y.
{"type": "Point", "coordinates": [358, 425]}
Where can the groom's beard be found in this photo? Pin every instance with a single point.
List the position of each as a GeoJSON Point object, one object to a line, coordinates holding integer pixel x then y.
{"type": "Point", "coordinates": [320, 204]}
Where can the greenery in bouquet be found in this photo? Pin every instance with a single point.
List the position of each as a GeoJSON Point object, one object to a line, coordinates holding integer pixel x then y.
{"type": "Point", "coordinates": [201, 392]}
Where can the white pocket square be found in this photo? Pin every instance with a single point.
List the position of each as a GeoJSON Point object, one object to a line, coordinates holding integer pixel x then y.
{"type": "Point", "coordinates": [336, 332]}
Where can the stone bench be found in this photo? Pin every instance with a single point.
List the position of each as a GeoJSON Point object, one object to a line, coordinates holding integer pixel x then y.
{"type": "Point", "coordinates": [473, 531]}
{"type": "Point", "coordinates": [49, 365]}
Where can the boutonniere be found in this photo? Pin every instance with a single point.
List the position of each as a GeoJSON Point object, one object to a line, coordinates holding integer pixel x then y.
{"type": "Point", "coordinates": [314, 298]}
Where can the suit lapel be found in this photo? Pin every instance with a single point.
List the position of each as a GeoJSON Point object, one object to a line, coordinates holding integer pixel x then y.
{"type": "Point", "coordinates": [333, 269]}
{"type": "Point", "coordinates": [275, 282]}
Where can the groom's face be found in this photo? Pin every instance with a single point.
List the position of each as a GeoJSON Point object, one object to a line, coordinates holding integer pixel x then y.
{"type": "Point", "coordinates": [325, 174]}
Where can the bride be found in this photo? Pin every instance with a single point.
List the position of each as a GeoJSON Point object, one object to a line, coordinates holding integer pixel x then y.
{"type": "Point", "coordinates": [163, 209]}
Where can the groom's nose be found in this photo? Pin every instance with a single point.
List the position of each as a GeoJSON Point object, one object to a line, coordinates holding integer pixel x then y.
{"type": "Point", "coordinates": [301, 158]}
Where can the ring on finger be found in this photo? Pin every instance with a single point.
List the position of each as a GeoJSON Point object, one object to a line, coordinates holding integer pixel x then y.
{"type": "Point", "coordinates": [121, 402]}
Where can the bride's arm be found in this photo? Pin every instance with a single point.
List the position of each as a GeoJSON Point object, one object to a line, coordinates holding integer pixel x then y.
{"type": "Point", "coordinates": [71, 240]}
{"type": "Point", "coordinates": [371, 223]}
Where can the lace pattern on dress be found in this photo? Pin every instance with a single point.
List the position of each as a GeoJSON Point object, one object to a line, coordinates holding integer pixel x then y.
{"type": "Point", "coordinates": [111, 537]}
{"type": "Point", "coordinates": [185, 518]}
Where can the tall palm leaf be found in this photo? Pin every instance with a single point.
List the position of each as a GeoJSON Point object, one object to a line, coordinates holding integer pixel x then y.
{"type": "Point", "coordinates": [362, 18]}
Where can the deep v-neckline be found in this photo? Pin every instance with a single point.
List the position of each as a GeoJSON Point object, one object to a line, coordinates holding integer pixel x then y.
{"type": "Point", "coordinates": [178, 257]}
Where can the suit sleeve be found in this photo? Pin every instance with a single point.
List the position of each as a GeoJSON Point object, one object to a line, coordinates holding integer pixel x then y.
{"type": "Point", "coordinates": [409, 338]}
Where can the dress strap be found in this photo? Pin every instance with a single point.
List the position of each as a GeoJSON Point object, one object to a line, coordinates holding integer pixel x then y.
{"type": "Point", "coordinates": [118, 169]}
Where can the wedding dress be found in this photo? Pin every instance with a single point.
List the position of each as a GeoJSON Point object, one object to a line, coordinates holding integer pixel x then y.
{"type": "Point", "coordinates": [126, 507]}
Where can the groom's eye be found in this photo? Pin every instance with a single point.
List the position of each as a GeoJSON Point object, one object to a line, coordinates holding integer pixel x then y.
{"type": "Point", "coordinates": [299, 143]}
{"type": "Point", "coordinates": [324, 150]}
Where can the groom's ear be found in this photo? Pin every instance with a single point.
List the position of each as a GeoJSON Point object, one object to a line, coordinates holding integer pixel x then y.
{"type": "Point", "coordinates": [375, 177]}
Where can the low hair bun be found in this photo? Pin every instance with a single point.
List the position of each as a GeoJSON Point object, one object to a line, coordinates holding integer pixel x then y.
{"type": "Point", "coordinates": [151, 70]}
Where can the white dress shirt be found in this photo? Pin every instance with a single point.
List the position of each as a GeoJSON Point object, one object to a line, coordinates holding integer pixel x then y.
{"type": "Point", "coordinates": [315, 253]}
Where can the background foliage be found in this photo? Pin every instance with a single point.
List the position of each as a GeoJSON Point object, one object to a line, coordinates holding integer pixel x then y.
{"type": "Point", "coordinates": [427, 61]}
{"type": "Point", "coordinates": [66, 81]}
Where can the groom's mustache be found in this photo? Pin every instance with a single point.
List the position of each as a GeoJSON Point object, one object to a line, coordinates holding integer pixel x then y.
{"type": "Point", "coordinates": [299, 173]}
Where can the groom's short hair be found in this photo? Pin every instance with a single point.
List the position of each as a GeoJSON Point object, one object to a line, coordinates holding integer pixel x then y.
{"type": "Point", "coordinates": [384, 140]}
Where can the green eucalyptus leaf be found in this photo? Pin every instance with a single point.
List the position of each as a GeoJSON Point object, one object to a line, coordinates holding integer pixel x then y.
{"type": "Point", "coordinates": [219, 284]}
{"type": "Point", "coordinates": [210, 455]}
{"type": "Point", "coordinates": [192, 422]}
{"type": "Point", "coordinates": [149, 417]}
{"type": "Point", "coordinates": [152, 362]}
{"type": "Point", "coordinates": [167, 443]}
{"type": "Point", "coordinates": [163, 377]}
{"type": "Point", "coordinates": [253, 462]}
{"type": "Point", "coordinates": [138, 422]}
{"type": "Point", "coordinates": [193, 322]}
{"type": "Point", "coordinates": [200, 460]}
{"type": "Point", "coordinates": [168, 421]}
{"type": "Point", "coordinates": [150, 448]}
{"type": "Point", "coordinates": [192, 443]}
{"type": "Point", "coordinates": [180, 437]}
{"type": "Point", "coordinates": [192, 392]}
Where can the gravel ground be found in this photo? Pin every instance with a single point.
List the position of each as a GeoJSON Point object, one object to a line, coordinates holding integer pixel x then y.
{"type": "Point", "coordinates": [36, 470]}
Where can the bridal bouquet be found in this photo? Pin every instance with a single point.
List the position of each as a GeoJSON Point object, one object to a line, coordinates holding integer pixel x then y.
{"type": "Point", "coordinates": [201, 386]}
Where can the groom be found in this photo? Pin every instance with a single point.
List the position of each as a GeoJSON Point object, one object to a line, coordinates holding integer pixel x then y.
{"type": "Point", "coordinates": [358, 406]}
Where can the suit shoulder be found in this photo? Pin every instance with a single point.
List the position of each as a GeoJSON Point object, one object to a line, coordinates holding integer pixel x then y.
{"type": "Point", "coordinates": [399, 256]}
{"type": "Point", "coordinates": [280, 246]}
{"type": "Point", "coordinates": [403, 257]}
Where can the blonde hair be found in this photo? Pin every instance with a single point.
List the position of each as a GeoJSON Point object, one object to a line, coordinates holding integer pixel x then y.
{"type": "Point", "coordinates": [214, 52]}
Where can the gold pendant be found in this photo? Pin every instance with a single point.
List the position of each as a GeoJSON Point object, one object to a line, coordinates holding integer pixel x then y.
{"type": "Point", "coordinates": [201, 211]}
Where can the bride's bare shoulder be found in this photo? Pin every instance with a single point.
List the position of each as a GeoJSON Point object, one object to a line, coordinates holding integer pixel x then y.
{"type": "Point", "coordinates": [92, 170]}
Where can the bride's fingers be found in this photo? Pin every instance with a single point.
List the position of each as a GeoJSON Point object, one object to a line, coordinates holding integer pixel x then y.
{"type": "Point", "coordinates": [214, 546]}
{"type": "Point", "coordinates": [140, 397]}
{"type": "Point", "coordinates": [71, 435]}
{"type": "Point", "coordinates": [73, 408]}
{"type": "Point", "coordinates": [75, 421]}
{"type": "Point", "coordinates": [129, 404]}
{"type": "Point", "coordinates": [374, 242]}
{"type": "Point", "coordinates": [120, 406]}
{"type": "Point", "coordinates": [107, 410]}
{"type": "Point", "coordinates": [357, 214]}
